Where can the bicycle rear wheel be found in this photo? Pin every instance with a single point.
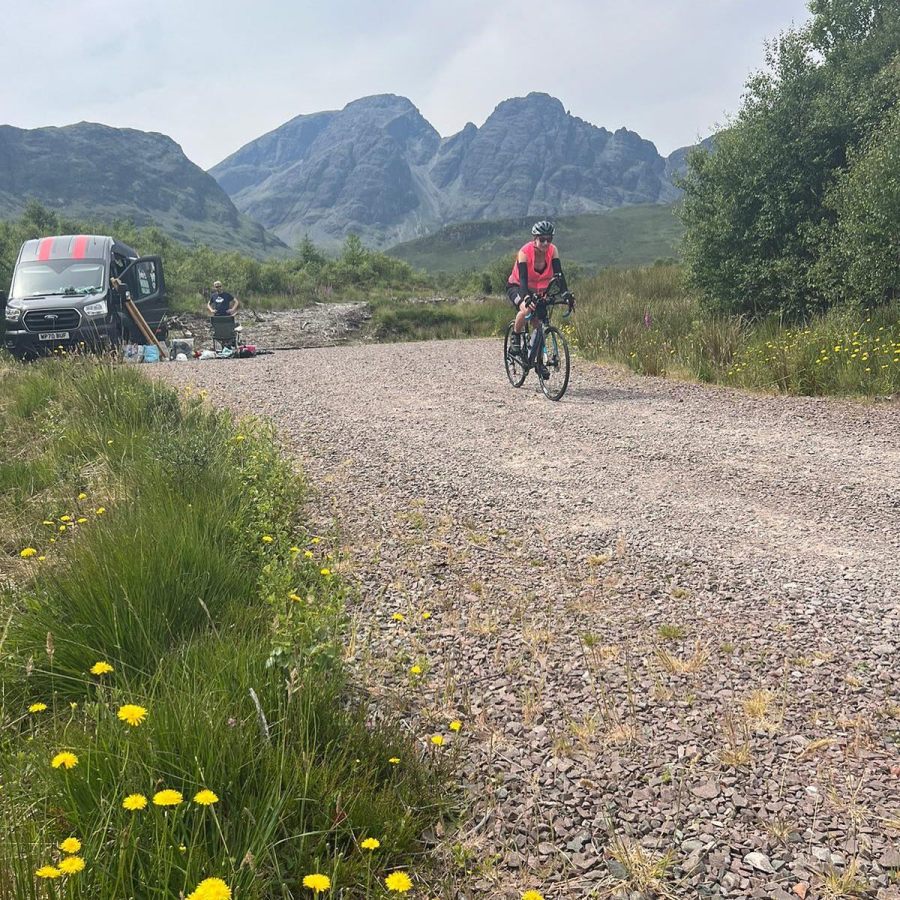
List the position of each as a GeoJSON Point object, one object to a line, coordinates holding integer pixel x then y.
{"type": "Point", "coordinates": [556, 363]}
{"type": "Point", "coordinates": [516, 370]}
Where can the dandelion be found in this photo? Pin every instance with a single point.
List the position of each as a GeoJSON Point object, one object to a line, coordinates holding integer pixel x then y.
{"type": "Point", "coordinates": [238, 438]}
{"type": "Point", "coordinates": [28, 552]}
{"type": "Point", "coordinates": [62, 528]}
{"type": "Point", "coordinates": [134, 802]}
{"type": "Point", "coordinates": [71, 864]}
{"type": "Point", "coordinates": [167, 797]}
{"type": "Point", "coordinates": [316, 540]}
{"type": "Point", "coordinates": [37, 707]}
{"type": "Point", "coordinates": [47, 522]}
{"type": "Point", "coordinates": [64, 760]}
{"type": "Point", "coordinates": [316, 882]}
{"type": "Point", "coordinates": [398, 617]}
{"type": "Point", "coordinates": [100, 510]}
{"type": "Point", "coordinates": [308, 554]}
{"type": "Point", "coordinates": [370, 844]}
{"type": "Point", "coordinates": [532, 895]}
{"type": "Point", "coordinates": [101, 668]}
{"type": "Point", "coordinates": [211, 889]}
{"type": "Point", "coordinates": [295, 597]}
{"type": "Point", "coordinates": [426, 615]}
{"type": "Point", "coordinates": [133, 715]}
{"type": "Point", "coordinates": [415, 670]}
{"type": "Point", "coordinates": [205, 798]}
{"type": "Point", "coordinates": [325, 572]}
{"type": "Point", "coordinates": [394, 760]}
{"type": "Point", "coordinates": [42, 558]}
{"type": "Point", "coordinates": [456, 725]}
{"type": "Point", "coordinates": [267, 539]}
{"type": "Point", "coordinates": [399, 882]}
{"type": "Point", "coordinates": [65, 518]}
{"type": "Point", "coordinates": [81, 520]}
{"type": "Point", "coordinates": [82, 496]}
{"type": "Point", "coordinates": [48, 872]}
{"type": "Point", "coordinates": [70, 845]}
{"type": "Point", "coordinates": [437, 740]}
{"type": "Point", "coordinates": [295, 550]}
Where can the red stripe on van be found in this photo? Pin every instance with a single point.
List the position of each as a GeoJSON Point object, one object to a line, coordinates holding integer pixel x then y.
{"type": "Point", "coordinates": [44, 248]}
{"type": "Point", "coordinates": [79, 246]}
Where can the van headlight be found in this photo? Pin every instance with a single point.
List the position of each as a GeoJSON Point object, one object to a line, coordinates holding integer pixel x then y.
{"type": "Point", "coordinates": [96, 309]}
{"type": "Point", "coordinates": [13, 313]}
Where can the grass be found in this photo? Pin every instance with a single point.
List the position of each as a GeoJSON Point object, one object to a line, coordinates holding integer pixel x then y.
{"type": "Point", "coordinates": [181, 564]}
{"type": "Point", "coordinates": [647, 319]}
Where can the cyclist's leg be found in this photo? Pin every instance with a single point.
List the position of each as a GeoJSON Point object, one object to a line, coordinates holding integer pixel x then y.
{"type": "Point", "coordinates": [512, 292]}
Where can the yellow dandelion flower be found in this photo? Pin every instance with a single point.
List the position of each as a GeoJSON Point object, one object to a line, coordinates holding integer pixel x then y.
{"type": "Point", "coordinates": [316, 540]}
{"type": "Point", "coordinates": [267, 539]}
{"type": "Point", "coordinates": [81, 520]}
{"type": "Point", "coordinates": [134, 802]}
{"type": "Point", "coordinates": [308, 554]}
{"type": "Point", "coordinates": [64, 760]}
{"type": "Point", "coordinates": [316, 882]}
{"type": "Point", "coordinates": [238, 438]}
{"type": "Point", "coordinates": [82, 496]}
{"type": "Point", "coordinates": [398, 617]}
{"type": "Point", "coordinates": [295, 550]}
{"type": "Point", "coordinates": [325, 572]}
{"type": "Point", "coordinates": [415, 670]}
{"type": "Point", "coordinates": [28, 552]}
{"type": "Point", "coordinates": [133, 715]}
{"type": "Point", "coordinates": [100, 510]}
{"type": "Point", "coordinates": [37, 707]}
{"type": "Point", "coordinates": [399, 882]}
{"type": "Point", "coordinates": [211, 889]}
{"type": "Point", "coordinates": [532, 895]}
{"type": "Point", "coordinates": [101, 668]}
{"type": "Point", "coordinates": [48, 872]}
{"type": "Point", "coordinates": [437, 740]}
{"type": "Point", "coordinates": [182, 848]}
{"type": "Point", "coordinates": [370, 844]}
{"type": "Point", "coordinates": [62, 528]}
{"type": "Point", "coordinates": [456, 725]}
{"type": "Point", "coordinates": [167, 797]}
{"type": "Point", "coordinates": [426, 614]}
{"type": "Point", "coordinates": [294, 596]}
{"type": "Point", "coordinates": [42, 558]}
{"type": "Point", "coordinates": [205, 798]}
{"type": "Point", "coordinates": [47, 522]}
{"type": "Point", "coordinates": [65, 518]}
{"type": "Point", "coordinates": [394, 760]}
{"type": "Point", "coordinates": [70, 845]}
{"type": "Point", "coordinates": [71, 864]}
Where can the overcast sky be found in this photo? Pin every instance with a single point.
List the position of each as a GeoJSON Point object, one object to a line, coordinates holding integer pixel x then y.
{"type": "Point", "coordinates": [215, 74]}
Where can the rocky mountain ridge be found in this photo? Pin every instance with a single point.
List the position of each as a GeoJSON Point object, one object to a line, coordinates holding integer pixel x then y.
{"type": "Point", "coordinates": [100, 173]}
{"type": "Point", "coordinates": [377, 168]}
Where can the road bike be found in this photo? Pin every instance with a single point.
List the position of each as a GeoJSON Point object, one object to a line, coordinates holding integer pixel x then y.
{"type": "Point", "coordinates": [544, 347]}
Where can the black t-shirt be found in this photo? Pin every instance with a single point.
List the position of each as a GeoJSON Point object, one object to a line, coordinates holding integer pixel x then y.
{"type": "Point", "coordinates": [221, 303]}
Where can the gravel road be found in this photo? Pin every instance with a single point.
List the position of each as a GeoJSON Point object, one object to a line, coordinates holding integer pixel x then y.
{"type": "Point", "coordinates": [667, 615]}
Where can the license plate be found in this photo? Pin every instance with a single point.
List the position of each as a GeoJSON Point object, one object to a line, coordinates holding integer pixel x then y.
{"type": "Point", "coordinates": [53, 336]}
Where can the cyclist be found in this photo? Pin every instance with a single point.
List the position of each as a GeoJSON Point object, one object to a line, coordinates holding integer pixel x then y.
{"type": "Point", "coordinates": [535, 267]}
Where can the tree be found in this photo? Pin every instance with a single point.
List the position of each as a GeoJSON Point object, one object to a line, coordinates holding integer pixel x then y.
{"type": "Point", "coordinates": [757, 221]}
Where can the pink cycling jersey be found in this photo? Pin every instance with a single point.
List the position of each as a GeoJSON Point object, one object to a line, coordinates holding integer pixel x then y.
{"type": "Point", "coordinates": [537, 281]}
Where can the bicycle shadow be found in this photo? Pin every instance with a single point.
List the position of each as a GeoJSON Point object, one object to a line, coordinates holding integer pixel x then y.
{"type": "Point", "coordinates": [587, 395]}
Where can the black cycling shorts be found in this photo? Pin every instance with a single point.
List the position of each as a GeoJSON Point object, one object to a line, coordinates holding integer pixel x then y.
{"type": "Point", "coordinates": [513, 292]}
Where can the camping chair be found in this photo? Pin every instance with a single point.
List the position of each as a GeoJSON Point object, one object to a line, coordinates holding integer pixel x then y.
{"type": "Point", "coordinates": [224, 331]}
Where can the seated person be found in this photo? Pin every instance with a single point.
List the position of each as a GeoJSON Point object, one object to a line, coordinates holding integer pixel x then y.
{"type": "Point", "coordinates": [221, 303]}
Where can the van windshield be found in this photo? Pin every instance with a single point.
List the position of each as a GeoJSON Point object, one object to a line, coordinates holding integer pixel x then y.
{"type": "Point", "coordinates": [59, 276]}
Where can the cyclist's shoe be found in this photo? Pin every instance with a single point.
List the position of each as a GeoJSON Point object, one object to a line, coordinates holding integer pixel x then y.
{"type": "Point", "coordinates": [543, 372]}
{"type": "Point", "coordinates": [515, 344]}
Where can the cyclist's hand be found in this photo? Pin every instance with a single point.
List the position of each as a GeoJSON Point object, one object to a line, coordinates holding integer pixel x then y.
{"type": "Point", "coordinates": [528, 302]}
{"type": "Point", "coordinates": [569, 297]}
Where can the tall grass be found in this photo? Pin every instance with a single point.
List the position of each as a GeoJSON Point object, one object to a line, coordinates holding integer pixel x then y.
{"type": "Point", "coordinates": [647, 319]}
{"type": "Point", "coordinates": [168, 547]}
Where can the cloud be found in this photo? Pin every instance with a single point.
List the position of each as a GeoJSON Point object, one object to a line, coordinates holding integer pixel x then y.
{"type": "Point", "coordinates": [214, 74]}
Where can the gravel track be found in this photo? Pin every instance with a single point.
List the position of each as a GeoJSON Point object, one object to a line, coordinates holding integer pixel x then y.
{"type": "Point", "coordinates": [668, 615]}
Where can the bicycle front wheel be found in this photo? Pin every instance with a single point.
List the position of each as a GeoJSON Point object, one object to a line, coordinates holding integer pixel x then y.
{"type": "Point", "coordinates": [555, 358]}
{"type": "Point", "coordinates": [516, 370]}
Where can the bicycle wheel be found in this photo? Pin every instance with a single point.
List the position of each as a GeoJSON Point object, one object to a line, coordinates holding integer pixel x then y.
{"type": "Point", "coordinates": [556, 363]}
{"type": "Point", "coordinates": [516, 370]}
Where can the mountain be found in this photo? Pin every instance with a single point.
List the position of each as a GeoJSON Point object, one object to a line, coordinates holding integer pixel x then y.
{"type": "Point", "coordinates": [377, 168]}
{"type": "Point", "coordinates": [100, 173]}
{"type": "Point", "coordinates": [627, 236]}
